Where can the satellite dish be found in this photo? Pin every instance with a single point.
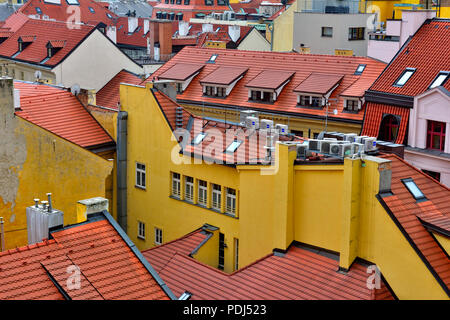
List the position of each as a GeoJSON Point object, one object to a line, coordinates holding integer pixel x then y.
{"type": "Point", "coordinates": [38, 74]}
{"type": "Point", "coordinates": [75, 89]}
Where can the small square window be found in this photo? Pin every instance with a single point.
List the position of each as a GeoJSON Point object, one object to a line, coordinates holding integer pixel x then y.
{"type": "Point", "coordinates": [141, 230]}
{"type": "Point", "coordinates": [231, 201]}
{"type": "Point", "coordinates": [213, 58]}
{"type": "Point", "coordinates": [158, 236]}
{"type": "Point", "coordinates": [327, 32]}
{"type": "Point", "coordinates": [38, 10]}
{"type": "Point", "coordinates": [140, 175]}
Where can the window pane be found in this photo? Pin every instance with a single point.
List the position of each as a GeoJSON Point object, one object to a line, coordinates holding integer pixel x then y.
{"type": "Point", "coordinates": [405, 77]}
{"type": "Point", "coordinates": [439, 80]}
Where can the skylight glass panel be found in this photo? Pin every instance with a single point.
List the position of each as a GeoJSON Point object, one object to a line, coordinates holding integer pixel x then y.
{"type": "Point", "coordinates": [73, 2]}
{"type": "Point", "coordinates": [91, 10]}
{"type": "Point", "coordinates": [414, 189]}
{"type": "Point", "coordinates": [213, 58]}
{"type": "Point", "coordinates": [360, 69]}
{"type": "Point", "coordinates": [440, 79]}
{"type": "Point", "coordinates": [404, 77]}
{"type": "Point", "coordinates": [199, 138]}
{"type": "Point", "coordinates": [38, 10]}
{"type": "Point", "coordinates": [108, 15]}
{"type": "Point", "coordinates": [233, 146]}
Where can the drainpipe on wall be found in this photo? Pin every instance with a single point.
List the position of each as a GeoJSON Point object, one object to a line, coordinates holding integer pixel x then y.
{"type": "Point", "coordinates": [2, 234]}
{"type": "Point", "coordinates": [271, 27]}
{"type": "Point", "coordinates": [122, 118]}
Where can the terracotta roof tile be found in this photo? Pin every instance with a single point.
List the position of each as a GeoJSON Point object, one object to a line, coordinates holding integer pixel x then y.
{"type": "Point", "coordinates": [270, 79]}
{"type": "Point", "coordinates": [181, 71]}
{"type": "Point", "coordinates": [299, 274]}
{"type": "Point", "coordinates": [224, 75]}
{"type": "Point", "coordinates": [59, 112]}
{"type": "Point", "coordinates": [320, 83]}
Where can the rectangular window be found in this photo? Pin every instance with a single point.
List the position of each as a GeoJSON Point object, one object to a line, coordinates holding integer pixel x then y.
{"type": "Point", "coordinates": [440, 79]}
{"type": "Point", "coordinates": [316, 102]}
{"type": "Point", "coordinates": [414, 189]}
{"type": "Point", "coordinates": [305, 100]}
{"type": "Point", "coordinates": [327, 32]}
{"type": "Point", "coordinates": [178, 2]}
{"type": "Point", "coordinates": [176, 184]}
{"type": "Point", "coordinates": [221, 92]}
{"type": "Point", "coordinates": [351, 105]}
{"type": "Point", "coordinates": [209, 2]}
{"type": "Point", "coordinates": [236, 254]}
{"type": "Point", "coordinates": [231, 201]}
{"type": "Point", "coordinates": [189, 189]}
{"type": "Point", "coordinates": [179, 87]}
{"type": "Point", "coordinates": [158, 236]}
{"type": "Point", "coordinates": [221, 251]}
{"type": "Point", "coordinates": [186, 2]}
{"type": "Point", "coordinates": [22, 75]}
{"type": "Point", "coordinates": [261, 96]}
{"type": "Point", "coordinates": [209, 91]}
{"type": "Point", "coordinates": [216, 202]}
{"type": "Point", "coordinates": [315, 135]}
{"type": "Point", "coordinates": [141, 230]}
{"type": "Point", "coordinates": [404, 77]}
{"type": "Point", "coordinates": [199, 138]}
{"type": "Point", "coordinates": [202, 192]}
{"type": "Point", "coordinates": [140, 175]}
{"type": "Point", "coordinates": [356, 33]}
{"type": "Point", "coordinates": [360, 69]}
{"type": "Point", "coordinates": [436, 135]}
{"type": "Point", "coordinates": [233, 146]}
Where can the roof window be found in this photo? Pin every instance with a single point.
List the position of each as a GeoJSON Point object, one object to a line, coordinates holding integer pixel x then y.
{"type": "Point", "coordinates": [72, 2]}
{"type": "Point", "coordinates": [213, 58]}
{"type": "Point", "coordinates": [360, 69]}
{"type": "Point", "coordinates": [404, 77]}
{"type": "Point", "coordinates": [233, 146]}
{"type": "Point", "coordinates": [414, 189]}
{"type": "Point", "coordinates": [440, 79]}
{"type": "Point", "coordinates": [91, 10]}
{"type": "Point", "coordinates": [199, 138]}
{"type": "Point", "coordinates": [38, 10]}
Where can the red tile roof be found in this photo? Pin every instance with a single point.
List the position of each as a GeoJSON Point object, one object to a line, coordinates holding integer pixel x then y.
{"type": "Point", "coordinates": [137, 38]}
{"type": "Point", "coordinates": [44, 31]}
{"type": "Point", "coordinates": [15, 21]}
{"type": "Point", "coordinates": [433, 218]}
{"type": "Point", "coordinates": [299, 274]}
{"type": "Point", "coordinates": [270, 79]}
{"type": "Point", "coordinates": [424, 52]}
{"type": "Point", "coordinates": [407, 211]}
{"type": "Point", "coordinates": [61, 113]}
{"type": "Point", "coordinates": [189, 11]}
{"type": "Point", "coordinates": [320, 83]}
{"type": "Point", "coordinates": [302, 65]}
{"type": "Point", "coordinates": [224, 75]}
{"type": "Point", "coordinates": [374, 115]}
{"type": "Point", "coordinates": [108, 96]}
{"type": "Point", "coordinates": [169, 107]}
{"type": "Point", "coordinates": [181, 71]}
{"type": "Point", "coordinates": [109, 268]}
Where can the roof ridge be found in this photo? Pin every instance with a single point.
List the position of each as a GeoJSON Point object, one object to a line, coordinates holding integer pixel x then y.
{"type": "Point", "coordinates": [44, 242]}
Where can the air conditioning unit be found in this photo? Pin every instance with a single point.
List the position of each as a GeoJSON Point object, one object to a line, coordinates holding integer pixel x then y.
{"type": "Point", "coordinates": [314, 144]}
{"type": "Point", "coordinates": [330, 139]}
{"type": "Point", "coordinates": [370, 143]}
{"type": "Point", "coordinates": [266, 124]}
{"type": "Point", "coordinates": [325, 146]}
{"type": "Point", "coordinates": [358, 148]}
{"type": "Point", "coordinates": [282, 129]}
{"type": "Point", "coordinates": [246, 113]}
{"type": "Point", "coordinates": [251, 123]}
{"type": "Point", "coordinates": [302, 150]}
{"type": "Point", "coordinates": [350, 137]}
{"type": "Point", "coordinates": [359, 139]}
{"type": "Point", "coordinates": [341, 149]}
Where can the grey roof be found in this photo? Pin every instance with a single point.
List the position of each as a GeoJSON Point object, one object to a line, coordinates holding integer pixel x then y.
{"type": "Point", "coordinates": [8, 9]}
{"type": "Point", "coordinates": [121, 8]}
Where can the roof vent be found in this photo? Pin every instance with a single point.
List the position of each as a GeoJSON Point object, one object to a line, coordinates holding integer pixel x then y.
{"type": "Point", "coordinates": [179, 117]}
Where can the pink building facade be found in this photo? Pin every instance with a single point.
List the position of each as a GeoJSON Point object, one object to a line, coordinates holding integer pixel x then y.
{"type": "Point", "coordinates": [429, 134]}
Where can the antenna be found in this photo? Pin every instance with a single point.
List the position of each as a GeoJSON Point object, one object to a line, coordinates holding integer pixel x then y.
{"type": "Point", "coordinates": [75, 89]}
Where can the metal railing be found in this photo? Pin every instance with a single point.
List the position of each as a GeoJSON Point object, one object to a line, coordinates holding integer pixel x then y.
{"type": "Point", "coordinates": [331, 6]}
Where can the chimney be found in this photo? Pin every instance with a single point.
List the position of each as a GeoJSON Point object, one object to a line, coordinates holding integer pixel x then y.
{"type": "Point", "coordinates": [111, 33]}
{"type": "Point", "coordinates": [183, 28]}
{"type": "Point", "coordinates": [234, 32]}
{"type": "Point", "coordinates": [146, 25]}
{"type": "Point", "coordinates": [90, 206]}
{"type": "Point", "coordinates": [42, 219]}
{"type": "Point", "coordinates": [165, 40]}
{"type": "Point", "coordinates": [207, 27]}
{"type": "Point", "coordinates": [16, 99]}
{"type": "Point", "coordinates": [87, 97]}
{"type": "Point", "coordinates": [156, 53]}
{"type": "Point", "coordinates": [132, 24]}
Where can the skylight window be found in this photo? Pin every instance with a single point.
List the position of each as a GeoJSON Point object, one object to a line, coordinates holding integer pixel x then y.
{"type": "Point", "coordinates": [199, 138]}
{"type": "Point", "coordinates": [91, 10]}
{"type": "Point", "coordinates": [360, 69]}
{"type": "Point", "coordinates": [72, 2]}
{"type": "Point", "coordinates": [38, 10]}
{"type": "Point", "coordinates": [212, 59]}
{"type": "Point", "coordinates": [233, 146]}
{"type": "Point", "coordinates": [404, 77]}
{"type": "Point", "coordinates": [108, 15]}
{"type": "Point", "coordinates": [440, 79]}
{"type": "Point", "coordinates": [414, 189]}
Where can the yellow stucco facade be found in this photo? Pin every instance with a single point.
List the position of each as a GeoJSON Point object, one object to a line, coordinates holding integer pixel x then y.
{"type": "Point", "coordinates": [331, 206]}
{"type": "Point", "coordinates": [33, 162]}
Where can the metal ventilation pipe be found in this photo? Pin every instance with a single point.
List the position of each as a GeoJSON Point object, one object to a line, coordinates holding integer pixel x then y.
{"type": "Point", "coordinates": [36, 203]}
{"type": "Point", "coordinates": [50, 207]}
{"type": "Point", "coordinates": [2, 234]}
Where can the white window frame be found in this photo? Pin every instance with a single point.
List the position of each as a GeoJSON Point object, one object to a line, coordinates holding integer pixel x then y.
{"type": "Point", "coordinates": [188, 189]}
{"type": "Point", "coordinates": [141, 230]}
{"type": "Point", "coordinates": [141, 183]}
{"type": "Point", "coordinates": [202, 193]}
{"type": "Point", "coordinates": [230, 197]}
{"type": "Point", "coordinates": [176, 185]}
{"type": "Point", "coordinates": [216, 197]}
{"type": "Point", "coordinates": [158, 236]}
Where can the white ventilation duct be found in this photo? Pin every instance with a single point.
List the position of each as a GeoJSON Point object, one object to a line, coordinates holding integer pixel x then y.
{"type": "Point", "coordinates": [207, 27]}
{"type": "Point", "coordinates": [16, 99]}
{"type": "Point", "coordinates": [234, 32]}
{"type": "Point", "coordinates": [111, 33]}
{"type": "Point", "coordinates": [132, 24]}
{"type": "Point", "coordinates": [183, 28]}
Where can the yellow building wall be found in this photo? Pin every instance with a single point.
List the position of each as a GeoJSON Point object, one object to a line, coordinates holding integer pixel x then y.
{"type": "Point", "coordinates": [281, 31]}
{"type": "Point", "coordinates": [443, 241]}
{"type": "Point", "coordinates": [208, 252]}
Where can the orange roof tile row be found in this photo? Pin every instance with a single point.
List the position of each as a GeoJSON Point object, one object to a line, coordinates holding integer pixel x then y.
{"type": "Point", "coordinates": [374, 115]}
{"type": "Point", "coordinates": [107, 267]}
{"type": "Point", "coordinates": [108, 96]}
{"type": "Point", "coordinates": [299, 274]}
{"type": "Point", "coordinates": [61, 113]}
{"type": "Point", "coordinates": [274, 63]}
{"type": "Point", "coordinates": [407, 211]}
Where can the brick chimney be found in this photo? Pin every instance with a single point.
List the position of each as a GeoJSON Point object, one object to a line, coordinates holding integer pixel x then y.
{"type": "Point", "coordinates": [165, 40]}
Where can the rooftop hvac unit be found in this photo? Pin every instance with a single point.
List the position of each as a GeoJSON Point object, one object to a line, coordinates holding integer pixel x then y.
{"type": "Point", "coordinates": [314, 144]}
{"type": "Point", "coordinates": [330, 139]}
{"type": "Point", "coordinates": [302, 150]}
{"type": "Point", "coordinates": [252, 123]}
{"type": "Point", "coordinates": [282, 129]}
{"type": "Point", "coordinates": [350, 137]}
{"type": "Point", "coordinates": [359, 139]}
{"type": "Point", "coordinates": [370, 143]}
{"type": "Point", "coordinates": [266, 124]}
{"type": "Point", "coordinates": [246, 113]}
{"type": "Point", "coordinates": [358, 148]}
{"type": "Point", "coordinates": [325, 146]}
{"type": "Point", "coordinates": [341, 149]}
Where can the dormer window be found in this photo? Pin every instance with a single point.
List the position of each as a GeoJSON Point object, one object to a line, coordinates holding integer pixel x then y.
{"type": "Point", "coordinates": [267, 85]}
{"type": "Point", "coordinates": [404, 77]}
{"type": "Point", "coordinates": [360, 69]}
{"type": "Point", "coordinates": [352, 104]}
{"type": "Point", "coordinates": [222, 80]}
{"type": "Point", "coordinates": [91, 10]}
{"type": "Point", "coordinates": [315, 90]}
{"type": "Point", "coordinates": [182, 74]}
{"type": "Point", "coordinates": [23, 42]}
{"type": "Point", "coordinates": [186, 2]}
{"type": "Point", "coordinates": [440, 79]}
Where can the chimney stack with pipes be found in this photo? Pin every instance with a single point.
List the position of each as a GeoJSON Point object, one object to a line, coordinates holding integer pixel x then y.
{"type": "Point", "coordinates": [165, 40]}
{"type": "Point", "coordinates": [234, 32]}
{"type": "Point", "coordinates": [183, 28]}
{"type": "Point", "coordinates": [111, 33]}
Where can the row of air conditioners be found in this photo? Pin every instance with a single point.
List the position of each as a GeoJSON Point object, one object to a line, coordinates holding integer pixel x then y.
{"type": "Point", "coordinates": [357, 145]}
{"type": "Point", "coordinates": [254, 123]}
